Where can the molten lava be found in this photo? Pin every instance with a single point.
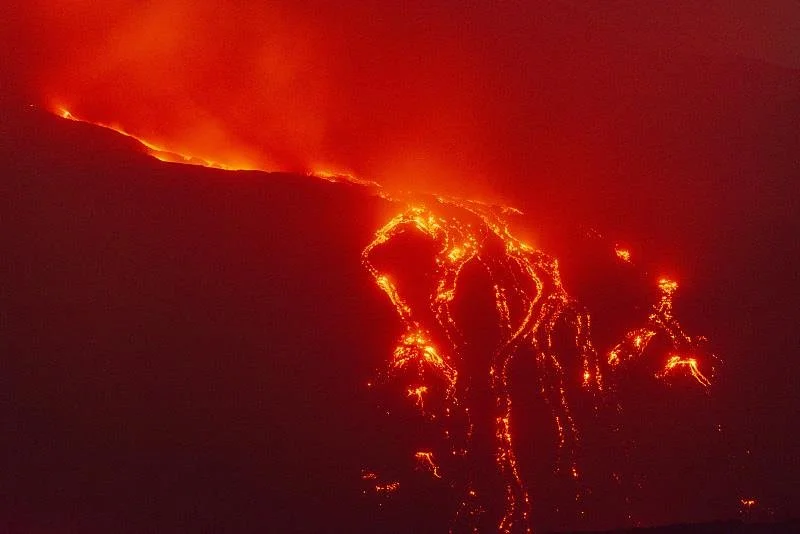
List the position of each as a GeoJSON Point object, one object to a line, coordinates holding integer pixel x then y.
{"type": "Point", "coordinates": [531, 305]}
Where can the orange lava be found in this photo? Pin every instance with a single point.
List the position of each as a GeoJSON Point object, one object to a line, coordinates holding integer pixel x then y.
{"type": "Point", "coordinates": [531, 303]}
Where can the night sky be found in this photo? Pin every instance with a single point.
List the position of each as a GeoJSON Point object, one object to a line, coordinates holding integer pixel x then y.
{"type": "Point", "coordinates": [187, 349]}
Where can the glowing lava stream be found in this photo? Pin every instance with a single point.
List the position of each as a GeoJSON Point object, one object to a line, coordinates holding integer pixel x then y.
{"type": "Point", "coordinates": [531, 304]}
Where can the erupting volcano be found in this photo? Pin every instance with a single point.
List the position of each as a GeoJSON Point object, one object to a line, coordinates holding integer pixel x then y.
{"type": "Point", "coordinates": [479, 265]}
{"type": "Point", "coordinates": [532, 310]}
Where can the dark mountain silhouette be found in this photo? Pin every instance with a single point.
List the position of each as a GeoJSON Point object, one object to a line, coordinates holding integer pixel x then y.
{"type": "Point", "coordinates": [186, 349]}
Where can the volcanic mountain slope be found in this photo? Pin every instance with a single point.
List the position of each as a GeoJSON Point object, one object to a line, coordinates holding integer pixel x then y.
{"type": "Point", "coordinates": [188, 349]}
{"type": "Point", "coordinates": [182, 347]}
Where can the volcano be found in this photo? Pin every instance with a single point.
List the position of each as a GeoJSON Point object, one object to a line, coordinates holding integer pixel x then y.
{"type": "Point", "coordinates": [188, 348]}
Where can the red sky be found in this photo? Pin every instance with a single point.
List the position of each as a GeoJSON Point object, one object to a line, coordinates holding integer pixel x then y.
{"type": "Point", "coordinates": [453, 96]}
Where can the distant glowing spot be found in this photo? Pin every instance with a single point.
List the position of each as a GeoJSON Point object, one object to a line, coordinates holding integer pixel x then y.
{"type": "Point", "coordinates": [457, 253]}
{"type": "Point", "coordinates": [382, 489]}
{"type": "Point", "coordinates": [623, 254]}
{"type": "Point", "coordinates": [417, 394]}
{"type": "Point", "coordinates": [446, 296]}
{"type": "Point", "coordinates": [385, 489]}
{"type": "Point", "coordinates": [667, 286]}
{"type": "Point", "coordinates": [748, 503]}
{"type": "Point", "coordinates": [342, 177]}
{"type": "Point", "coordinates": [677, 362]}
{"type": "Point", "coordinates": [425, 461]}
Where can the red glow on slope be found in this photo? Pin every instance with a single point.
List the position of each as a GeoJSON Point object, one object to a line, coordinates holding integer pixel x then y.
{"type": "Point", "coordinates": [167, 153]}
{"type": "Point", "coordinates": [530, 304]}
{"type": "Point", "coordinates": [161, 152]}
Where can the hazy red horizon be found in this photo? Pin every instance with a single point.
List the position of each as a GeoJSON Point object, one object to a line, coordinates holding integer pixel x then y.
{"type": "Point", "coordinates": [445, 97]}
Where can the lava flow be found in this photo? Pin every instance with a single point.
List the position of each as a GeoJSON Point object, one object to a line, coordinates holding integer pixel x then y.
{"type": "Point", "coordinates": [531, 305]}
{"type": "Point", "coordinates": [531, 309]}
